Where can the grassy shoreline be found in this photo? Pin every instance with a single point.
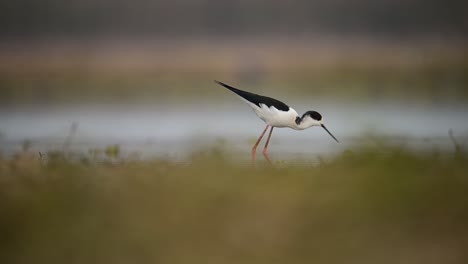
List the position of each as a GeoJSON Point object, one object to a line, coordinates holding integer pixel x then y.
{"type": "Point", "coordinates": [366, 206]}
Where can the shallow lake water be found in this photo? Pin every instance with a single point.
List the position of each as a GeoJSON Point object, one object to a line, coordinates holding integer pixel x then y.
{"type": "Point", "coordinates": [175, 131]}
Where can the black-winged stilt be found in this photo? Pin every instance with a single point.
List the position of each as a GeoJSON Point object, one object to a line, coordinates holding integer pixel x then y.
{"type": "Point", "coordinates": [276, 114]}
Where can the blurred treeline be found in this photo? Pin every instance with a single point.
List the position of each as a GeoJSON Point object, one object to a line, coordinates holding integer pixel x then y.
{"type": "Point", "coordinates": [211, 17]}
{"type": "Point", "coordinates": [82, 51]}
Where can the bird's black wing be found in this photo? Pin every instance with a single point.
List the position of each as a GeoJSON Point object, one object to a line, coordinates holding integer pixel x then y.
{"type": "Point", "coordinates": [257, 99]}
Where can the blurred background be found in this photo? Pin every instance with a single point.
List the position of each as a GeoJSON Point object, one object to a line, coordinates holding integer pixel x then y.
{"type": "Point", "coordinates": [101, 100]}
{"type": "Point", "coordinates": [141, 72]}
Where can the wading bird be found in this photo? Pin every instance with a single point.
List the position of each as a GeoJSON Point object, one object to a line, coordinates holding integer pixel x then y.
{"type": "Point", "coordinates": [276, 114]}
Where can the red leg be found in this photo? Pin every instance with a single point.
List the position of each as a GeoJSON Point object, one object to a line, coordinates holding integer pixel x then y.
{"type": "Point", "coordinates": [254, 149]}
{"type": "Point", "coordinates": [266, 146]}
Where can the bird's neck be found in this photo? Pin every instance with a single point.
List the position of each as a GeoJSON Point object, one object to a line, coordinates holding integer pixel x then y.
{"type": "Point", "coordinates": [303, 123]}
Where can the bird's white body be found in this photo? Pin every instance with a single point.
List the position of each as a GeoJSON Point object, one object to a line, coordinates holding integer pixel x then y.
{"type": "Point", "coordinates": [274, 117]}
{"type": "Point", "coordinates": [277, 118]}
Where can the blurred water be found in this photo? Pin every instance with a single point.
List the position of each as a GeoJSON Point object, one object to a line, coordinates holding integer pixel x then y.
{"type": "Point", "coordinates": [174, 131]}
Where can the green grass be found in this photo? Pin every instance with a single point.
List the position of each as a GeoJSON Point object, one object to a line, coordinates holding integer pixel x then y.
{"type": "Point", "coordinates": [364, 206]}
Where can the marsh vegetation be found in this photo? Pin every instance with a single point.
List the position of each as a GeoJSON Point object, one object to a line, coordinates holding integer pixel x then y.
{"type": "Point", "coordinates": [366, 205]}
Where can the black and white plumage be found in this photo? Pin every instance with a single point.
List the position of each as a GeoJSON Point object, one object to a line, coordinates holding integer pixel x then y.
{"type": "Point", "coordinates": [277, 114]}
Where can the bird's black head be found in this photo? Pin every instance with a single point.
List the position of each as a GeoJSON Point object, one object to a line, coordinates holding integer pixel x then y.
{"type": "Point", "coordinates": [315, 120]}
{"type": "Point", "coordinates": [313, 114]}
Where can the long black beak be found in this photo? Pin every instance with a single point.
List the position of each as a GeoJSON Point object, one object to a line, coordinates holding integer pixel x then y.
{"type": "Point", "coordinates": [329, 133]}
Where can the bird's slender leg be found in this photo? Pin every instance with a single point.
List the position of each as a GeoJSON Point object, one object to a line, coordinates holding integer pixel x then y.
{"type": "Point", "coordinates": [254, 149]}
{"type": "Point", "coordinates": [266, 146]}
